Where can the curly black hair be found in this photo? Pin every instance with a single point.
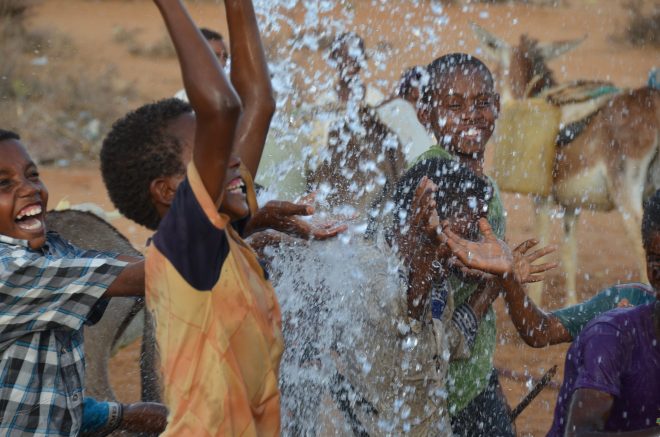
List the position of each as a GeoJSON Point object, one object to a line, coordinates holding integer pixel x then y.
{"type": "Point", "coordinates": [651, 218]}
{"type": "Point", "coordinates": [211, 35]}
{"type": "Point", "coordinates": [138, 150]}
{"type": "Point", "coordinates": [8, 135]}
{"type": "Point", "coordinates": [459, 190]}
{"type": "Point", "coordinates": [451, 64]}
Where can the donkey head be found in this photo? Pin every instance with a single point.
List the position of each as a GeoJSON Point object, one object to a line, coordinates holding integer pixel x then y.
{"type": "Point", "coordinates": [523, 69]}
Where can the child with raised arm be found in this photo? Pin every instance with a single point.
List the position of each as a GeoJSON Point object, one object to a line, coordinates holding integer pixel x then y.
{"type": "Point", "coordinates": [189, 175]}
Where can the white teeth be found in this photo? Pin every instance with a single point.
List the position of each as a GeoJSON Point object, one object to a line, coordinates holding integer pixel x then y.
{"type": "Point", "coordinates": [236, 186]}
{"type": "Point", "coordinates": [30, 224]}
{"type": "Point", "coordinates": [29, 212]}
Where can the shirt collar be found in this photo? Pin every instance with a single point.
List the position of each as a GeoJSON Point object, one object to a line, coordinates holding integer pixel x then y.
{"type": "Point", "coordinates": [13, 241]}
{"type": "Point", "coordinates": [25, 243]}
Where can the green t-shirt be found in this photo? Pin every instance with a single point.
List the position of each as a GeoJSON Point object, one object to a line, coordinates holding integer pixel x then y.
{"type": "Point", "coordinates": [468, 378]}
{"type": "Point", "coordinates": [575, 317]}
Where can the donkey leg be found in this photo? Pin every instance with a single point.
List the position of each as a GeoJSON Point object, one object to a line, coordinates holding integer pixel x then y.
{"type": "Point", "coordinates": [542, 208]}
{"type": "Point", "coordinates": [631, 212]}
{"type": "Point", "coordinates": [569, 256]}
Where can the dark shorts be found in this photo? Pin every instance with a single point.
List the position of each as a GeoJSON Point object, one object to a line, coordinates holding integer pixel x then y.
{"type": "Point", "coordinates": [487, 415]}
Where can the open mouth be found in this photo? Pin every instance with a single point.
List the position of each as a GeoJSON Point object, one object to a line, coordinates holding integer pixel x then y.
{"type": "Point", "coordinates": [30, 218]}
{"type": "Point", "coordinates": [236, 186]}
{"type": "Point", "coordinates": [472, 133]}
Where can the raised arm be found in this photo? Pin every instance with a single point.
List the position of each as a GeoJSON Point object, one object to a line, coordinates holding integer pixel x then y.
{"type": "Point", "coordinates": [250, 77]}
{"type": "Point", "coordinates": [217, 107]}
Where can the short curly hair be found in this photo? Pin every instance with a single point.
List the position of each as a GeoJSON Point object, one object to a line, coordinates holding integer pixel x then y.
{"type": "Point", "coordinates": [138, 150]}
{"type": "Point", "coordinates": [8, 135]}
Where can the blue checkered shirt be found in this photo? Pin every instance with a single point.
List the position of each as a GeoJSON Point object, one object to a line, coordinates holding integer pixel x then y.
{"type": "Point", "coordinates": [46, 296]}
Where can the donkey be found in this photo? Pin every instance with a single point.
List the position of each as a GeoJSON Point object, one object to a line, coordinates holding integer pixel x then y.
{"type": "Point", "coordinates": [124, 318]}
{"type": "Point", "coordinates": [606, 160]}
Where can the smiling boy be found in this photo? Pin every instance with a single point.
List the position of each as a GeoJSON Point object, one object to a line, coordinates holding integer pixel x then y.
{"type": "Point", "coordinates": [48, 290]}
{"type": "Point", "coordinates": [460, 107]}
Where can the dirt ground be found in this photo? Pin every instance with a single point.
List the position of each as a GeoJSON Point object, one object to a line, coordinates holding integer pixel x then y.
{"type": "Point", "coordinates": [604, 255]}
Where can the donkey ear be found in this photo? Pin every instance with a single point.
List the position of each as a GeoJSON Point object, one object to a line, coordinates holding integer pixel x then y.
{"type": "Point", "coordinates": [492, 45]}
{"type": "Point", "coordinates": [554, 49]}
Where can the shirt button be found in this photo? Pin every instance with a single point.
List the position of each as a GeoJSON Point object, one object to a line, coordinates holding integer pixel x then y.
{"type": "Point", "coordinates": [63, 351]}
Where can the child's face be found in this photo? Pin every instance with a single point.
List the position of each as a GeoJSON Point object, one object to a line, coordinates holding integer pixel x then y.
{"type": "Point", "coordinates": [220, 50]}
{"type": "Point", "coordinates": [462, 113]}
{"type": "Point", "coordinates": [652, 248]}
{"type": "Point", "coordinates": [23, 197]}
{"type": "Point", "coordinates": [234, 202]}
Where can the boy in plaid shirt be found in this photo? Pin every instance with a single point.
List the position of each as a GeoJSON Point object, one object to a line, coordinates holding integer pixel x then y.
{"type": "Point", "coordinates": [48, 290]}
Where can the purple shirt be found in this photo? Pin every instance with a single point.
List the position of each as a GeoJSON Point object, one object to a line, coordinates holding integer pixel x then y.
{"type": "Point", "coordinates": [617, 353]}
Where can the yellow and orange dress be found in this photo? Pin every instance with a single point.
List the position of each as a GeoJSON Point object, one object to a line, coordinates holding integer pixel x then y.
{"type": "Point", "coordinates": [218, 322]}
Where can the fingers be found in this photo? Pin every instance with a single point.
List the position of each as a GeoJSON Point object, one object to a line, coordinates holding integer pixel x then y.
{"type": "Point", "coordinates": [324, 234]}
{"type": "Point", "coordinates": [543, 267]}
{"type": "Point", "coordinates": [541, 253]}
{"type": "Point", "coordinates": [486, 229]}
{"type": "Point", "coordinates": [533, 278]}
{"type": "Point", "coordinates": [523, 247]}
{"type": "Point", "coordinates": [290, 208]}
{"type": "Point", "coordinates": [308, 199]}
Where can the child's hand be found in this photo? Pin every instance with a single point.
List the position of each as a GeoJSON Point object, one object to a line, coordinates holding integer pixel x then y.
{"type": "Point", "coordinates": [285, 217]}
{"type": "Point", "coordinates": [523, 270]}
{"type": "Point", "coordinates": [423, 221]}
{"type": "Point", "coordinates": [489, 255]}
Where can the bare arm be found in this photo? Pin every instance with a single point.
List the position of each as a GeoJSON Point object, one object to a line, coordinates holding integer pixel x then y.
{"type": "Point", "coordinates": [536, 327]}
{"type": "Point", "coordinates": [588, 414]}
{"type": "Point", "coordinates": [217, 107]}
{"type": "Point", "coordinates": [130, 282]}
{"type": "Point", "coordinates": [250, 77]}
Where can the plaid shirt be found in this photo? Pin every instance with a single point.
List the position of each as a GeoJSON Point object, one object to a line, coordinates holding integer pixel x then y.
{"type": "Point", "coordinates": [45, 298]}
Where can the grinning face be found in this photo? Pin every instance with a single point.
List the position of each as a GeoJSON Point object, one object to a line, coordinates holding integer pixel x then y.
{"type": "Point", "coordinates": [234, 201]}
{"type": "Point", "coordinates": [653, 262]}
{"type": "Point", "coordinates": [23, 197]}
{"type": "Point", "coordinates": [462, 112]}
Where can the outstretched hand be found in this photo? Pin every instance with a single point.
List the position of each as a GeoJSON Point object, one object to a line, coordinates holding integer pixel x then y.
{"type": "Point", "coordinates": [523, 269]}
{"type": "Point", "coordinates": [490, 255]}
{"type": "Point", "coordinates": [286, 217]}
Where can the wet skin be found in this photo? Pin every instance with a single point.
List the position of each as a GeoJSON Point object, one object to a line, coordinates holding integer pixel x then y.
{"type": "Point", "coordinates": [462, 113]}
{"type": "Point", "coordinates": [234, 200]}
{"type": "Point", "coordinates": [23, 196]}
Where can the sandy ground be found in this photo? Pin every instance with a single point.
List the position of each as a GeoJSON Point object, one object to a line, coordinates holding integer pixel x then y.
{"type": "Point", "coordinates": [604, 255]}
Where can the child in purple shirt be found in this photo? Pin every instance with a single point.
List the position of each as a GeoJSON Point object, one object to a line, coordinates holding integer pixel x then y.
{"type": "Point", "coordinates": [617, 354]}
{"type": "Point", "coordinates": [612, 372]}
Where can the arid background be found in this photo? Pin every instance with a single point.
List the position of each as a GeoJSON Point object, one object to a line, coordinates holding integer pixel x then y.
{"type": "Point", "coordinates": [73, 66]}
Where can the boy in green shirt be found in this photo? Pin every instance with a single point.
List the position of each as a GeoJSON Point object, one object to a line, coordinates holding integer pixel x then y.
{"type": "Point", "coordinates": [460, 107]}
